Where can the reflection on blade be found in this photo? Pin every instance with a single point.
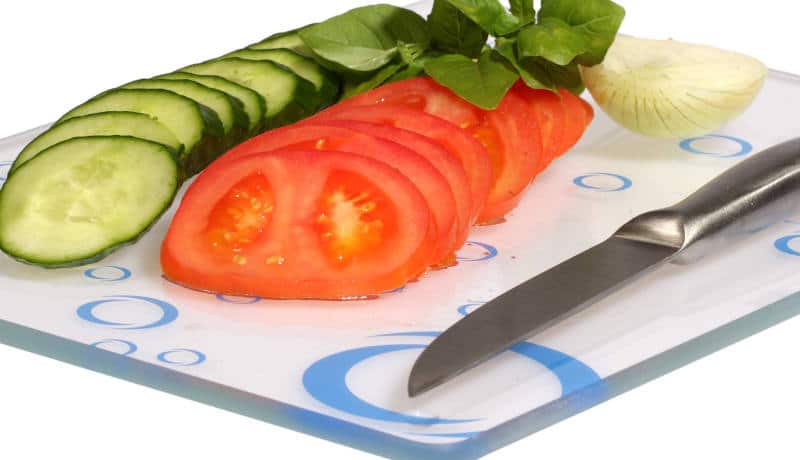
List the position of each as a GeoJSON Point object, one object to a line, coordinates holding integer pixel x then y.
{"type": "Point", "coordinates": [533, 306]}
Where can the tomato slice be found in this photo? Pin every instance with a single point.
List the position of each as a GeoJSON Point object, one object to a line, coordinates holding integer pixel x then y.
{"type": "Point", "coordinates": [447, 165]}
{"type": "Point", "coordinates": [433, 185]}
{"type": "Point", "coordinates": [550, 116]}
{"type": "Point", "coordinates": [575, 122]}
{"type": "Point", "coordinates": [458, 143]}
{"type": "Point", "coordinates": [299, 224]}
{"type": "Point", "coordinates": [508, 133]}
{"type": "Point", "coordinates": [588, 111]}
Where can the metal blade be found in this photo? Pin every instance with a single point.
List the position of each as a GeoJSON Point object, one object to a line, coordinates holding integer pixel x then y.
{"type": "Point", "coordinates": [533, 306]}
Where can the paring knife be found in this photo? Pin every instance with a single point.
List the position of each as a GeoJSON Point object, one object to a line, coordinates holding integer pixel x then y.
{"type": "Point", "coordinates": [750, 196]}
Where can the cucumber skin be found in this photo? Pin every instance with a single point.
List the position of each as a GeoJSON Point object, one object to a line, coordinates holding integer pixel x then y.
{"type": "Point", "coordinates": [114, 247]}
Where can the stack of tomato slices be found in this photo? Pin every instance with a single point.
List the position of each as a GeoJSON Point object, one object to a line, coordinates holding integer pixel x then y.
{"type": "Point", "coordinates": [367, 195]}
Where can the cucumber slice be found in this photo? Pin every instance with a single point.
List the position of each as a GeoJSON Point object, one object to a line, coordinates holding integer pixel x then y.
{"type": "Point", "coordinates": [326, 83]}
{"type": "Point", "coordinates": [197, 127]}
{"type": "Point", "coordinates": [79, 200]}
{"type": "Point", "coordinates": [234, 123]}
{"type": "Point", "coordinates": [287, 40]}
{"type": "Point", "coordinates": [289, 98]}
{"type": "Point", "coordinates": [99, 124]}
{"type": "Point", "coordinates": [252, 102]}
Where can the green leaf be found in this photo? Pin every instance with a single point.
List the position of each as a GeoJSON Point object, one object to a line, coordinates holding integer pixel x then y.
{"type": "Point", "coordinates": [523, 9]}
{"type": "Point", "coordinates": [553, 40]}
{"type": "Point", "coordinates": [491, 15]}
{"type": "Point", "coordinates": [454, 32]}
{"type": "Point", "coordinates": [367, 38]}
{"type": "Point", "coordinates": [483, 82]}
{"type": "Point", "coordinates": [598, 20]}
{"type": "Point", "coordinates": [539, 73]}
{"type": "Point", "coordinates": [355, 86]}
{"type": "Point", "coordinates": [508, 49]}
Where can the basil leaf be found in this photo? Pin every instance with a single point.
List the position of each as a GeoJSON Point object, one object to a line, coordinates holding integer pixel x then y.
{"type": "Point", "coordinates": [523, 9]}
{"type": "Point", "coordinates": [598, 20]}
{"type": "Point", "coordinates": [410, 71]}
{"type": "Point", "coordinates": [507, 48]}
{"type": "Point", "coordinates": [454, 32]}
{"type": "Point", "coordinates": [491, 15]}
{"type": "Point", "coordinates": [483, 82]}
{"type": "Point", "coordinates": [552, 39]}
{"type": "Point", "coordinates": [355, 86]}
{"type": "Point", "coordinates": [367, 38]}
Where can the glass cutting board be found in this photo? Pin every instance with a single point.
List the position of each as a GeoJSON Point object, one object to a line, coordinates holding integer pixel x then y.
{"type": "Point", "coordinates": [338, 370]}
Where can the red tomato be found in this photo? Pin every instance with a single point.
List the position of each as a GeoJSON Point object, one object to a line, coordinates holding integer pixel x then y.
{"type": "Point", "coordinates": [550, 115]}
{"type": "Point", "coordinates": [589, 111]}
{"type": "Point", "coordinates": [575, 122]}
{"type": "Point", "coordinates": [419, 169]}
{"type": "Point", "coordinates": [514, 147]}
{"type": "Point", "coordinates": [471, 154]}
{"type": "Point", "coordinates": [299, 224]}
{"type": "Point", "coordinates": [449, 166]}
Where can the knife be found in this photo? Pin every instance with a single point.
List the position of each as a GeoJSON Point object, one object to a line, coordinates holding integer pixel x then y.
{"type": "Point", "coordinates": [748, 197]}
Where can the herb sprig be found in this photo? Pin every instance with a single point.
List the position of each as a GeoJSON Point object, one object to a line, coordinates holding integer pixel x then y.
{"type": "Point", "coordinates": [376, 44]}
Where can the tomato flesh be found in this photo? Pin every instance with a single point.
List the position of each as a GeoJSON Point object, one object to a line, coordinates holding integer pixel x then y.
{"type": "Point", "coordinates": [340, 225]}
{"type": "Point", "coordinates": [550, 116]}
{"type": "Point", "coordinates": [575, 121]}
{"type": "Point", "coordinates": [428, 179]}
{"type": "Point", "coordinates": [508, 134]}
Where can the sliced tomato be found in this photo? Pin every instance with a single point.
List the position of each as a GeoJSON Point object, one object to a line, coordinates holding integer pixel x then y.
{"type": "Point", "coordinates": [550, 115]}
{"type": "Point", "coordinates": [433, 185]}
{"type": "Point", "coordinates": [508, 133]}
{"type": "Point", "coordinates": [588, 111]}
{"type": "Point", "coordinates": [458, 143]}
{"type": "Point", "coordinates": [575, 122]}
{"type": "Point", "coordinates": [447, 165]}
{"type": "Point", "coordinates": [299, 224]}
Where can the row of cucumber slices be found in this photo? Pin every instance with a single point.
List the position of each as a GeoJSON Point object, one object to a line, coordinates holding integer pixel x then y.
{"type": "Point", "coordinates": [107, 169]}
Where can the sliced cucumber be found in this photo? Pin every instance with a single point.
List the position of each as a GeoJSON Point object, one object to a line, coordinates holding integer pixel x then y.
{"type": "Point", "coordinates": [289, 98]}
{"type": "Point", "coordinates": [325, 81]}
{"type": "Point", "coordinates": [234, 120]}
{"type": "Point", "coordinates": [80, 199]}
{"type": "Point", "coordinates": [197, 127]}
{"type": "Point", "coordinates": [252, 102]}
{"type": "Point", "coordinates": [287, 40]}
{"type": "Point", "coordinates": [101, 124]}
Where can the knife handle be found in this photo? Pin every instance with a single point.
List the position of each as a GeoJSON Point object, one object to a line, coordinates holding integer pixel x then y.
{"type": "Point", "coordinates": [743, 200]}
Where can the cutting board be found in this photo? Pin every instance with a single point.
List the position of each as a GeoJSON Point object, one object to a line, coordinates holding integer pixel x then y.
{"type": "Point", "coordinates": [338, 370]}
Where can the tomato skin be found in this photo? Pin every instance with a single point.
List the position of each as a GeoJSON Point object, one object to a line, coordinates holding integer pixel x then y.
{"type": "Point", "coordinates": [551, 117]}
{"type": "Point", "coordinates": [509, 133]}
{"type": "Point", "coordinates": [461, 146]}
{"type": "Point", "coordinates": [575, 123]}
{"type": "Point", "coordinates": [288, 259]}
{"type": "Point", "coordinates": [428, 179]}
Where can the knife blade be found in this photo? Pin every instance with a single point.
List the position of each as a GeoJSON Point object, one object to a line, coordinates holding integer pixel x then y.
{"type": "Point", "coordinates": [746, 198]}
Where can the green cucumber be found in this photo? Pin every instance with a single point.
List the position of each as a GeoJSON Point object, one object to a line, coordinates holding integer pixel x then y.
{"type": "Point", "coordinates": [287, 40]}
{"type": "Point", "coordinates": [234, 120]}
{"type": "Point", "coordinates": [252, 102]}
{"type": "Point", "coordinates": [325, 81]}
{"type": "Point", "coordinates": [289, 98]}
{"type": "Point", "coordinates": [197, 127]}
{"type": "Point", "coordinates": [79, 200]}
{"type": "Point", "coordinates": [100, 124]}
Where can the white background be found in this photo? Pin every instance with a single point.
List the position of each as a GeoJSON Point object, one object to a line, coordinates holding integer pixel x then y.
{"type": "Point", "coordinates": [738, 403]}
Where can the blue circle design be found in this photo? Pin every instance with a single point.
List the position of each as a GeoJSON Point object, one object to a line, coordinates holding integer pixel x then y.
{"type": "Point", "coordinates": [169, 312]}
{"type": "Point", "coordinates": [4, 176]}
{"type": "Point", "coordinates": [744, 146]}
{"type": "Point", "coordinates": [239, 300]}
{"type": "Point", "coordinates": [199, 357]}
{"type": "Point", "coordinates": [124, 273]}
{"type": "Point", "coordinates": [467, 308]}
{"type": "Point", "coordinates": [131, 346]}
{"type": "Point", "coordinates": [490, 252]}
{"type": "Point", "coordinates": [625, 183]}
{"type": "Point", "coordinates": [782, 244]}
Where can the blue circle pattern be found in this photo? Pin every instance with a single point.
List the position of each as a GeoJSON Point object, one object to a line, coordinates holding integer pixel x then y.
{"type": "Point", "coordinates": [325, 380]}
{"type": "Point", "coordinates": [199, 357]}
{"type": "Point", "coordinates": [131, 346]}
{"type": "Point", "coordinates": [744, 147]}
{"type": "Point", "coordinates": [625, 183]}
{"type": "Point", "coordinates": [124, 273]}
{"type": "Point", "coordinates": [783, 245]}
{"type": "Point", "coordinates": [490, 252]}
{"type": "Point", "coordinates": [169, 312]}
{"type": "Point", "coordinates": [239, 301]}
